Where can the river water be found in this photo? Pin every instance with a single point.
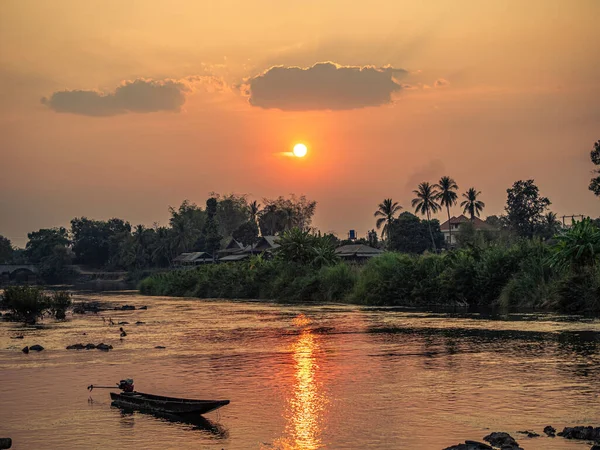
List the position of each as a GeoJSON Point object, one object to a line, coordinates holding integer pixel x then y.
{"type": "Point", "coordinates": [300, 377]}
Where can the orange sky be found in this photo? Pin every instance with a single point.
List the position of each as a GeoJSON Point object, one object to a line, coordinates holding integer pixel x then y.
{"type": "Point", "coordinates": [516, 98]}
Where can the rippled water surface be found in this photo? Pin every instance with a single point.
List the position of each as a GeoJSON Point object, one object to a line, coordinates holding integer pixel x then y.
{"type": "Point", "coordinates": [300, 377]}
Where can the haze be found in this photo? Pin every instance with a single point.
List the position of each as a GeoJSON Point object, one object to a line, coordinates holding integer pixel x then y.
{"type": "Point", "coordinates": [392, 93]}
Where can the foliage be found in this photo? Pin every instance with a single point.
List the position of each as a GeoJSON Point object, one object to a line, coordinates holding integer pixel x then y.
{"type": "Point", "coordinates": [92, 238]}
{"type": "Point", "coordinates": [409, 234]}
{"type": "Point", "coordinates": [210, 239]}
{"type": "Point", "coordinates": [186, 223]}
{"type": "Point", "coordinates": [386, 213]}
{"type": "Point", "coordinates": [42, 243]}
{"type": "Point", "coordinates": [525, 207]}
{"type": "Point", "coordinates": [302, 247]}
{"type": "Point", "coordinates": [232, 212]}
{"type": "Point", "coordinates": [59, 303]}
{"type": "Point", "coordinates": [54, 267]}
{"type": "Point", "coordinates": [282, 214]}
{"type": "Point", "coordinates": [425, 203]}
{"type": "Point", "coordinates": [447, 195]}
{"type": "Point", "coordinates": [578, 246]}
{"type": "Point", "coordinates": [6, 250]}
{"type": "Point", "coordinates": [246, 233]}
{"type": "Point", "coordinates": [595, 157]}
{"type": "Point", "coordinates": [26, 303]}
{"type": "Point", "coordinates": [471, 205]}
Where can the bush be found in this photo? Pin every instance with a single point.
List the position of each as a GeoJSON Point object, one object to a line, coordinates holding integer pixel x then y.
{"type": "Point", "coordinates": [59, 303]}
{"type": "Point", "coordinates": [26, 303]}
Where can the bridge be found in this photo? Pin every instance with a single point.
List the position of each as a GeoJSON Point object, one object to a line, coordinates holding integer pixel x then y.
{"type": "Point", "coordinates": [17, 271]}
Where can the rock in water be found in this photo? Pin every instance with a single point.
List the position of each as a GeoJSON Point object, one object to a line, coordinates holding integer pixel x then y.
{"type": "Point", "coordinates": [25, 350]}
{"type": "Point", "coordinates": [587, 433]}
{"type": "Point", "coordinates": [470, 445]}
{"type": "Point", "coordinates": [143, 307]}
{"type": "Point", "coordinates": [5, 443]}
{"type": "Point", "coordinates": [104, 347]}
{"type": "Point", "coordinates": [36, 348]}
{"type": "Point", "coordinates": [550, 430]}
{"type": "Point", "coordinates": [503, 440]}
{"type": "Point", "coordinates": [76, 347]}
{"type": "Point", "coordinates": [595, 447]}
{"type": "Point", "coordinates": [90, 347]}
{"type": "Point", "coordinates": [160, 346]}
{"type": "Point", "coordinates": [530, 434]}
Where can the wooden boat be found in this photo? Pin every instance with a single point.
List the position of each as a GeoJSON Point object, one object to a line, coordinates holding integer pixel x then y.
{"type": "Point", "coordinates": [169, 405]}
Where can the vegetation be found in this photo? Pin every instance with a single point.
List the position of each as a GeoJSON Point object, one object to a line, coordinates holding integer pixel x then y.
{"type": "Point", "coordinates": [595, 157]}
{"type": "Point", "coordinates": [27, 303]}
{"type": "Point", "coordinates": [385, 214]}
{"type": "Point", "coordinates": [426, 204]}
{"type": "Point", "coordinates": [6, 250]}
{"type": "Point", "coordinates": [447, 196]}
{"type": "Point", "coordinates": [525, 208]}
{"type": "Point", "coordinates": [471, 205]}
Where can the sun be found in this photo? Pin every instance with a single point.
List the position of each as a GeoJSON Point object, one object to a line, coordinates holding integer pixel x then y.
{"type": "Point", "coordinates": [300, 150]}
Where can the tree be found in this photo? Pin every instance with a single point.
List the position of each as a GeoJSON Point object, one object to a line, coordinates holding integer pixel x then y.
{"type": "Point", "coordinates": [6, 250]}
{"type": "Point", "coordinates": [447, 196]}
{"type": "Point", "coordinates": [409, 234]}
{"type": "Point", "coordinates": [186, 223]}
{"type": "Point", "coordinates": [303, 247]}
{"type": "Point", "coordinates": [210, 239]}
{"type": "Point", "coordinates": [550, 226]}
{"type": "Point", "coordinates": [232, 212]}
{"type": "Point", "coordinates": [42, 243]}
{"type": "Point", "coordinates": [525, 207]}
{"type": "Point", "coordinates": [283, 214]}
{"type": "Point", "coordinates": [425, 204]}
{"type": "Point", "coordinates": [91, 239]}
{"type": "Point", "coordinates": [471, 205]}
{"type": "Point", "coordinates": [246, 233]}
{"type": "Point", "coordinates": [253, 209]}
{"type": "Point", "coordinates": [386, 213]}
{"type": "Point", "coordinates": [595, 157]}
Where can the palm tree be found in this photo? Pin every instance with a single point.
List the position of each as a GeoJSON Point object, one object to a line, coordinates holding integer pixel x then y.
{"type": "Point", "coordinates": [447, 197]}
{"type": "Point", "coordinates": [471, 205]}
{"type": "Point", "coordinates": [426, 204]}
{"type": "Point", "coordinates": [386, 212]}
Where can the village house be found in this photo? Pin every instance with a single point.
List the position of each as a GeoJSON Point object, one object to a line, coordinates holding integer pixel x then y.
{"type": "Point", "coordinates": [454, 224]}
{"type": "Point", "coordinates": [357, 252]}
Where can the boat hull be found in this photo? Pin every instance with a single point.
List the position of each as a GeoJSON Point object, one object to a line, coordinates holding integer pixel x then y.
{"type": "Point", "coordinates": [169, 405]}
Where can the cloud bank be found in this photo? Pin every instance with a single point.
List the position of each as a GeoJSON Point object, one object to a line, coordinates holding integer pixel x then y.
{"type": "Point", "coordinates": [323, 86]}
{"type": "Point", "coordinates": [138, 96]}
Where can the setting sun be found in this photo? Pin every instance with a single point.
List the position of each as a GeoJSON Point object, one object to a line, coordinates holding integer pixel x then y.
{"type": "Point", "coordinates": [300, 150]}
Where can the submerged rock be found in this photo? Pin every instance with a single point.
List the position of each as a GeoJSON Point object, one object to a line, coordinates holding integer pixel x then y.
{"type": "Point", "coordinates": [76, 347]}
{"type": "Point", "coordinates": [5, 443]}
{"type": "Point", "coordinates": [160, 346]}
{"type": "Point", "coordinates": [470, 445]}
{"type": "Point", "coordinates": [586, 433]}
{"type": "Point", "coordinates": [143, 307]}
{"type": "Point", "coordinates": [550, 430]}
{"type": "Point", "coordinates": [17, 337]}
{"type": "Point", "coordinates": [530, 434]}
{"type": "Point", "coordinates": [140, 323]}
{"type": "Point", "coordinates": [104, 347]}
{"type": "Point", "coordinates": [90, 346]}
{"type": "Point", "coordinates": [125, 308]}
{"type": "Point", "coordinates": [123, 323]}
{"type": "Point", "coordinates": [595, 447]}
{"type": "Point", "coordinates": [25, 350]}
{"type": "Point", "coordinates": [503, 440]}
{"type": "Point", "coordinates": [36, 348]}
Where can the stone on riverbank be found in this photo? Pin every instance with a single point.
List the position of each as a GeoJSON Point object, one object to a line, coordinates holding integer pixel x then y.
{"type": "Point", "coordinates": [503, 440]}
{"type": "Point", "coordinates": [588, 433]}
{"type": "Point", "coordinates": [470, 445]}
{"type": "Point", "coordinates": [550, 431]}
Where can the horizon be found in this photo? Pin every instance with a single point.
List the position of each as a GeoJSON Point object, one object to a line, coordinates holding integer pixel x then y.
{"type": "Point", "coordinates": [121, 110]}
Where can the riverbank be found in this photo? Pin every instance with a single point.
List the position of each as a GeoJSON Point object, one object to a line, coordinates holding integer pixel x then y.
{"type": "Point", "coordinates": [520, 276]}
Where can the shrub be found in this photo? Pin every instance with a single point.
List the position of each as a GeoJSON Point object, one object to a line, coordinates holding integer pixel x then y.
{"type": "Point", "coordinates": [59, 303]}
{"type": "Point", "coordinates": [26, 303]}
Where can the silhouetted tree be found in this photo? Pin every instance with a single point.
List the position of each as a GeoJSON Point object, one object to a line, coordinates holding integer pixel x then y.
{"type": "Point", "coordinates": [471, 205]}
{"type": "Point", "coordinates": [409, 234]}
{"type": "Point", "coordinates": [447, 197]}
{"type": "Point", "coordinates": [525, 207]}
{"type": "Point", "coordinates": [595, 156]}
{"type": "Point", "coordinates": [246, 233]}
{"type": "Point", "coordinates": [42, 243]}
{"type": "Point", "coordinates": [6, 250]}
{"type": "Point", "coordinates": [425, 203]}
{"type": "Point", "coordinates": [386, 212]}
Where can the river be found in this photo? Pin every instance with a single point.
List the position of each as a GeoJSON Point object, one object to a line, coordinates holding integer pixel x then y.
{"type": "Point", "coordinates": [300, 377]}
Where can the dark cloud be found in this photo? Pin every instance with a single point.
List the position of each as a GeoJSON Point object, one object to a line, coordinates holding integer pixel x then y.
{"type": "Point", "coordinates": [323, 86]}
{"type": "Point", "coordinates": [139, 96]}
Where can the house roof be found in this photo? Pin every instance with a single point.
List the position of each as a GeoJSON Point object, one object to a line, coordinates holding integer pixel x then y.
{"type": "Point", "coordinates": [267, 242]}
{"type": "Point", "coordinates": [357, 250]}
{"type": "Point", "coordinates": [191, 257]}
{"type": "Point", "coordinates": [478, 224]}
{"type": "Point", "coordinates": [236, 257]}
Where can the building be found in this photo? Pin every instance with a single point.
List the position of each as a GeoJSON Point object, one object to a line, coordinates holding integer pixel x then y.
{"type": "Point", "coordinates": [193, 259]}
{"type": "Point", "coordinates": [235, 251]}
{"type": "Point", "coordinates": [454, 224]}
{"type": "Point", "coordinates": [357, 252]}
